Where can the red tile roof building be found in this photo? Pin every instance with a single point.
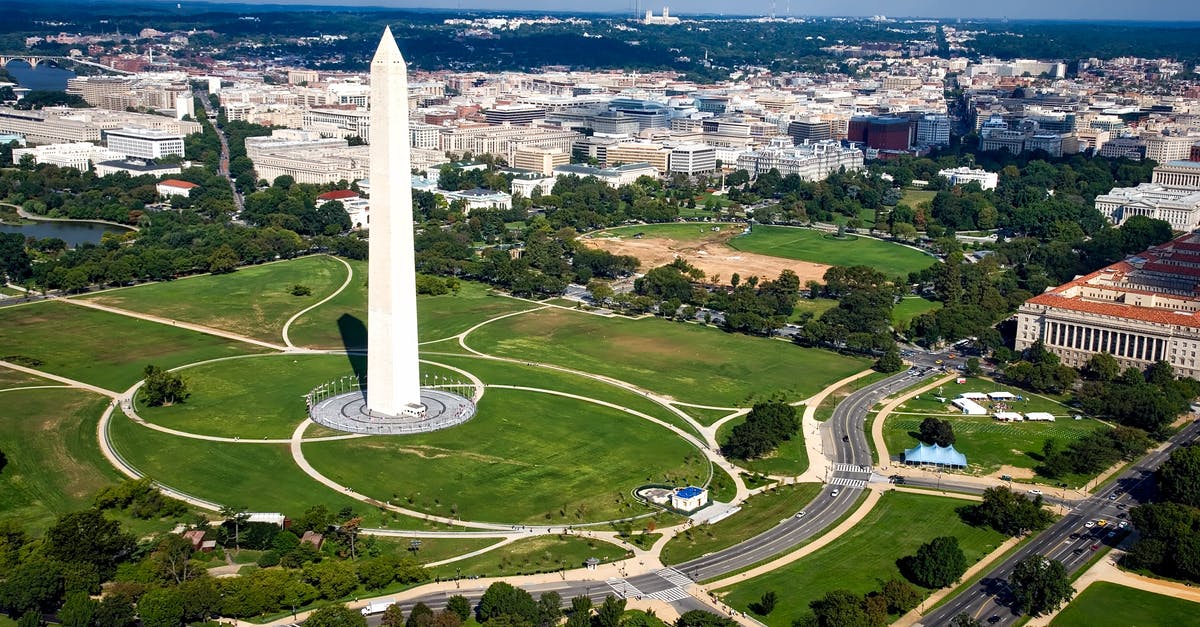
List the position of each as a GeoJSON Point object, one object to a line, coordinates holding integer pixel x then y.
{"type": "Point", "coordinates": [1141, 310]}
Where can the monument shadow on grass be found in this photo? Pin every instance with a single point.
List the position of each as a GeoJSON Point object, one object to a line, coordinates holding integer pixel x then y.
{"type": "Point", "coordinates": [354, 341]}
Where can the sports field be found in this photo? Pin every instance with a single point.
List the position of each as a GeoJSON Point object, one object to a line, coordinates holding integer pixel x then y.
{"type": "Point", "coordinates": [254, 301]}
{"type": "Point", "coordinates": [103, 349]}
{"type": "Point", "coordinates": [54, 462]}
{"type": "Point", "coordinates": [819, 247]}
{"type": "Point", "coordinates": [759, 513]}
{"type": "Point", "coordinates": [341, 322]}
{"type": "Point", "coordinates": [1105, 604]}
{"type": "Point", "coordinates": [525, 458]}
{"type": "Point", "coordinates": [865, 556]}
{"type": "Point", "coordinates": [687, 362]}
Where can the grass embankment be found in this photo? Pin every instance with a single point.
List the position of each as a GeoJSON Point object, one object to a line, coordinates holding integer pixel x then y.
{"type": "Point", "coordinates": [759, 513]}
{"type": "Point", "coordinates": [1103, 604]}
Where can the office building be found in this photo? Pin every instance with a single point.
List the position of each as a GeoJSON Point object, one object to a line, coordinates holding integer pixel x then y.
{"type": "Point", "coordinates": [144, 143]}
{"type": "Point", "coordinates": [514, 114]}
{"type": "Point", "coordinates": [541, 160]}
{"type": "Point", "coordinates": [692, 159]}
{"type": "Point", "coordinates": [812, 162]}
{"type": "Point", "coordinates": [1180, 206]}
{"type": "Point", "coordinates": [805, 131]}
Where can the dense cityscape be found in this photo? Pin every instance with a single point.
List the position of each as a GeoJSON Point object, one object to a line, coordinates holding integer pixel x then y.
{"type": "Point", "coordinates": [674, 318]}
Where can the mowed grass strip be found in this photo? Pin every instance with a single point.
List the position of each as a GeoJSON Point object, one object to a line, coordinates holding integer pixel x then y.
{"type": "Point", "coordinates": [261, 477]}
{"type": "Point", "coordinates": [818, 247]}
{"type": "Point", "coordinates": [525, 458]}
{"type": "Point", "coordinates": [865, 555]}
{"type": "Point", "coordinates": [790, 458]}
{"type": "Point", "coordinates": [541, 554]}
{"type": "Point", "coordinates": [989, 444]}
{"type": "Point", "coordinates": [254, 301]}
{"type": "Point", "coordinates": [687, 362]}
{"type": "Point", "coordinates": [104, 349]}
{"type": "Point", "coordinates": [10, 378]}
{"type": "Point", "coordinates": [342, 321]}
{"type": "Point", "coordinates": [54, 462]}
{"type": "Point", "coordinates": [759, 513]}
{"type": "Point", "coordinates": [1105, 604]}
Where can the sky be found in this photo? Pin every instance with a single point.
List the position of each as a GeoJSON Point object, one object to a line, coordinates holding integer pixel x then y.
{"type": "Point", "coordinates": [1155, 10]}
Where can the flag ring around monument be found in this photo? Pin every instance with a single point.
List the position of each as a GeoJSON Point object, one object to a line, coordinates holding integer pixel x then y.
{"type": "Point", "coordinates": [334, 406]}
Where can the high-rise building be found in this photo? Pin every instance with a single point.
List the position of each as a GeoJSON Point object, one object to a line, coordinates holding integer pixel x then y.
{"type": "Point", "coordinates": [804, 131]}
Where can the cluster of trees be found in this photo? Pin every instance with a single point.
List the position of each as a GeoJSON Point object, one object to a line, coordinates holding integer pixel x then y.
{"type": "Point", "coordinates": [163, 387]}
{"type": "Point", "coordinates": [1169, 544]}
{"type": "Point", "coordinates": [1007, 512]}
{"type": "Point", "coordinates": [587, 203]}
{"type": "Point", "coordinates": [140, 499]}
{"type": "Point", "coordinates": [768, 425]}
{"type": "Point", "coordinates": [936, 564]}
{"type": "Point", "coordinates": [293, 206]}
{"type": "Point", "coordinates": [437, 286]}
{"type": "Point", "coordinates": [936, 431]}
{"type": "Point", "coordinates": [842, 197]}
{"type": "Point", "coordinates": [1149, 401]}
{"type": "Point", "coordinates": [1093, 452]}
{"type": "Point", "coordinates": [861, 321]}
{"type": "Point", "coordinates": [1040, 585]}
{"type": "Point", "coordinates": [1041, 371]}
{"type": "Point", "coordinates": [840, 608]}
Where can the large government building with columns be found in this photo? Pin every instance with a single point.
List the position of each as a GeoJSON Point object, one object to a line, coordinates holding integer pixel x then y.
{"type": "Point", "coordinates": [1141, 310]}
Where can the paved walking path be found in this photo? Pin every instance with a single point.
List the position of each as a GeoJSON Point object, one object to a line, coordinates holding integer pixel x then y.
{"type": "Point", "coordinates": [885, 458]}
{"type": "Point", "coordinates": [288, 325]}
{"type": "Point", "coordinates": [53, 377]}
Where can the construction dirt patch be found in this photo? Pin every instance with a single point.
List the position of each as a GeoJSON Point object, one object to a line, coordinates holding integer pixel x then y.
{"type": "Point", "coordinates": [711, 255]}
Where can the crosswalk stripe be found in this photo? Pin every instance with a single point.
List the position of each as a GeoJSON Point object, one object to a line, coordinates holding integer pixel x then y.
{"type": "Point", "coordinates": [674, 576]}
{"type": "Point", "coordinates": [670, 594]}
{"type": "Point", "coordinates": [847, 482]}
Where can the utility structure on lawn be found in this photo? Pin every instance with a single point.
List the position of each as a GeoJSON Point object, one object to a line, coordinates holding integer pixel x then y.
{"type": "Point", "coordinates": [392, 399]}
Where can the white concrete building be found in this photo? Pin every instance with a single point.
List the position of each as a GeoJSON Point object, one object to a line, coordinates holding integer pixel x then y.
{"type": "Point", "coordinates": [692, 159]}
{"type": "Point", "coordinates": [78, 155]}
{"type": "Point", "coordinates": [174, 187]}
{"type": "Point", "coordinates": [964, 175]}
{"type": "Point", "coordinates": [812, 162]}
{"type": "Point", "coordinates": [1179, 206]}
{"type": "Point", "coordinates": [144, 143]}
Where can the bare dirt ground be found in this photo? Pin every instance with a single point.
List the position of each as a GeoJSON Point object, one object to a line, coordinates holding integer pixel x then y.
{"type": "Point", "coordinates": [711, 255]}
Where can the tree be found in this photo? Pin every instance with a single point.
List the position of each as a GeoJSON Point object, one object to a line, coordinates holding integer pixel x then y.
{"type": "Point", "coordinates": [1179, 476]}
{"type": "Point", "coordinates": [335, 615]}
{"type": "Point", "coordinates": [161, 607]}
{"type": "Point", "coordinates": [503, 599]}
{"type": "Point", "coordinates": [601, 291]}
{"type": "Point", "coordinates": [580, 614]}
{"type": "Point", "coordinates": [1040, 585]}
{"type": "Point", "coordinates": [420, 616]}
{"type": "Point", "coordinates": [767, 426]}
{"type": "Point", "coordinates": [223, 260]}
{"type": "Point", "coordinates": [549, 609]}
{"type": "Point", "coordinates": [935, 431]}
{"type": "Point", "coordinates": [700, 618]}
{"type": "Point", "coordinates": [900, 595]}
{"type": "Point", "coordinates": [936, 564]}
{"type": "Point", "coordinates": [237, 515]}
{"type": "Point", "coordinates": [87, 537]}
{"type": "Point", "coordinates": [973, 367]}
{"type": "Point", "coordinates": [78, 610]}
{"type": "Point", "coordinates": [332, 579]}
{"type": "Point", "coordinates": [609, 613]}
{"type": "Point", "coordinates": [393, 616]}
{"type": "Point", "coordinates": [172, 558]}
{"type": "Point", "coordinates": [1102, 367]}
{"type": "Point", "coordinates": [36, 584]}
{"type": "Point", "coordinates": [840, 608]}
{"type": "Point", "coordinates": [890, 361]}
{"type": "Point", "coordinates": [459, 605]}
{"type": "Point", "coordinates": [1007, 512]}
{"type": "Point", "coordinates": [116, 610]}
{"type": "Point", "coordinates": [765, 604]}
{"type": "Point", "coordinates": [965, 620]}
{"type": "Point", "coordinates": [163, 387]}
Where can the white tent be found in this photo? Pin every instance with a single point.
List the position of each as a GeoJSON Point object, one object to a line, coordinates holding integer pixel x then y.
{"type": "Point", "coordinates": [1039, 416]}
{"type": "Point", "coordinates": [973, 395]}
{"type": "Point", "coordinates": [1001, 396]}
{"type": "Point", "coordinates": [1008, 416]}
{"type": "Point", "coordinates": [969, 407]}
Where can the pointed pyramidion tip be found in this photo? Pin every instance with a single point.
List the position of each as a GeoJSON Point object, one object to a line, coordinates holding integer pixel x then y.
{"type": "Point", "coordinates": [388, 51]}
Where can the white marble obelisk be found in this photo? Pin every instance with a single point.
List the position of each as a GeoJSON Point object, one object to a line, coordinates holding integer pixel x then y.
{"type": "Point", "coordinates": [393, 371]}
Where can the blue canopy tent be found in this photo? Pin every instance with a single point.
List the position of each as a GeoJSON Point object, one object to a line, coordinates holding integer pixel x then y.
{"type": "Point", "coordinates": [935, 455]}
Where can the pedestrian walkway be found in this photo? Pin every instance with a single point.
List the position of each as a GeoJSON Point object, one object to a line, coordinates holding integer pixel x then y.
{"type": "Point", "coordinates": [853, 468]}
{"type": "Point", "coordinates": [848, 482]}
{"type": "Point", "coordinates": [674, 576]}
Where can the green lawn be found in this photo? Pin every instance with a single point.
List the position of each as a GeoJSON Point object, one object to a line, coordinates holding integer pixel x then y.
{"type": "Point", "coordinates": [928, 403]}
{"type": "Point", "coordinates": [525, 458]}
{"type": "Point", "coordinates": [910, 307]}
{"type": "Point", "coordinates": [1105, 604]}
{"type": "Point", "coordinates": [791, 458]}
{"type": "Point", "coordinates": [104, 349]}
{"type": "Point", "coordinates": [988, 444]}
{"type": "Point", "coordinates": [54, 462]}
{"type": "Point", "coordinates": [431, 549]}
{"type": "Point", "coordinates": [10, 378]}
{"type": "Point", "coordinates": [915, 197]}
{"type": "Point", "coordinates": [254, 301]}
{"type": "Point", "coordinates": [678, 231]}
{"type": "Point", "coordinates": [817, 306]}
{"type": "Point", "coordinates": [865, 555]}
{"type": "Point", "coordinates": [261, 477]}
{"type": "Point", "coordinates": [759, 513]}
{"type": "Point", "coordinates": [546, 553]}
{"type": "Point", "coordinates": [819, 247]}
{"type": "Point", "coordinates": [705, 416]}
{"type": "Point", "coordinates": [342, 321]}
{"type": "Point", "coordinates": [687, 362]}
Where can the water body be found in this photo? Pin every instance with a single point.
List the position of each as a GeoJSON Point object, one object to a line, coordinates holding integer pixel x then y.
{"type": "Point", "coordinates": [44, 77]}
{"type": "Point", "coordinates": [73, 233]}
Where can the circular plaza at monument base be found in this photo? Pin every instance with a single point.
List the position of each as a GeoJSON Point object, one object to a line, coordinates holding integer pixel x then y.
{"type": "Point", "coordinates": [347, 411]}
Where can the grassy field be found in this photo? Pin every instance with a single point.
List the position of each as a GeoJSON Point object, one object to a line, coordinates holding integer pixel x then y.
{"type": "Point", "coordinates": [688, 362]}
{"type": "Point", "coordinates": [817, 306]}
{"type": "Point", "coordinates": [104, 349]}
{"type": "Point", "coordinates": [534, 555]}
{"type": "Point", "coordinates": [865, 556]}
{"type": "Point", "coordinates": [431, 549]}
{"type": "Point", "coordinates": [678, 231]}
{"type": "Point", "coordinates": [232, 397]}
{"type": "Point", "coordinates": [915, 197]}
{"type": "Point", "coordinates": [254, 301]}
{"type": "Point", "coordinates": [928, 403]}
{"type": "Point", "coordinates": [759, 513]}
{"type": "Point", "coordinates": [705, 416]}
{"type": "Point", "coordinates": [261, 477]}
{"type": "Point", "coordinates": [525, 458]}
{"type": "Point", "coordinates": [989, 444]}
{"type": "Point", "coordinates": [791, 458]}
{"type": "Point", "coordinates": [342, 321]}
{"type": "Point", "coordinates": [54, 463]}
{"type": "Point", "coordinates": [1105, 604]}
{"type": "Point", "coordinates": [910, 307]}
{"type": "Point", "coordinates": [818, 247]}
{"type": "Point", "coordinates": [10, 378]}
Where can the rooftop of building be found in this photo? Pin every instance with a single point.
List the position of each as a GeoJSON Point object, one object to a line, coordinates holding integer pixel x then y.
{"type": "Point", "coordinates": [178, 183]}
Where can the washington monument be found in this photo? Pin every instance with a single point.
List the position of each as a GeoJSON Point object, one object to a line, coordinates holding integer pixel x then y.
{"type": "Point", "coordinates": [393, 371]}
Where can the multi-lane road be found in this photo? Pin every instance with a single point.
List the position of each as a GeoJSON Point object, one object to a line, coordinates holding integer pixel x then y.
{"type": "Point", "coordinates": [1070, 540]}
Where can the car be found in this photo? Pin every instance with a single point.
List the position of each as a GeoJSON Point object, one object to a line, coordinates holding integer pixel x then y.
{"type": "Point", "coordinates": [1095, 547]}
{"type": "Point", "coordinates": [951, 356]}
{"type": "Point", "coordinates": [1089, 524]}
{"type": "Point", "coordinates": [1124, 524]}
{"type": "Point", "coordinates": [1111, 534]}
{"type": "Point", "coordinates": [835, 492]}
{"type": "Point", "coordinates": [845, 438]}
{"type": "Point", "coordinates": [1121, 515]}
{"type": "Point", "coordinates": [1074, 536]}
{"type": "Point", "coordinates": [938, 362]}
{"type": "Point", "coordinates": [1101, 523]}
{"type": "Point", "coordinates": [1077, 551]}
{"type": "Point", "coordinates": [1036, 492]}
{"type": "Point", "coordinates": [1112, 497]}
{"type": "Point", "coordinates": [801, 514]}
{"type": "Point", "coordinates": [993, 620]}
